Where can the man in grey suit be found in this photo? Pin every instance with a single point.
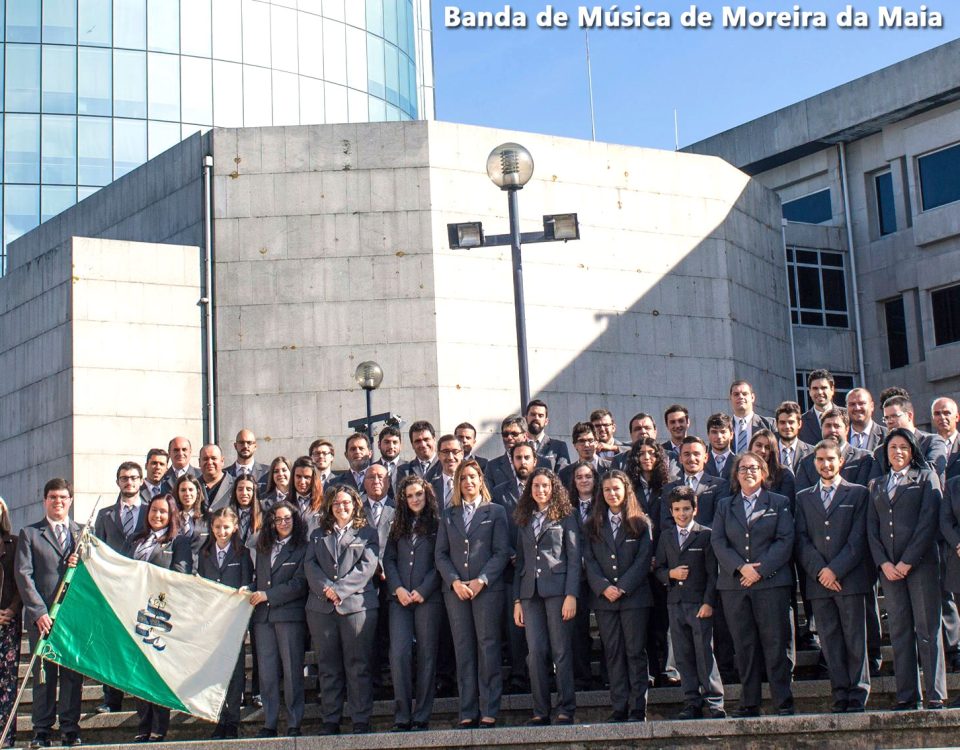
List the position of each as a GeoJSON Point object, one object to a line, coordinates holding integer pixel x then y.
{"type": "Point", "coordinates": [554, 451]}
{"type": "Point", "coordinates": [585, 444]}
{"type": "Point", "coordinates": [423, 438]}
{"type": "Point", "coordinates": [788, 420]}
{"type": "Point", "coordinates": [155, 468]}
{"type": "Point", "coordinates": [380, 511]}
{"type": "Point", "coordinates": [820, 387]}
{"type": "Point", "coordinates": [513, 430]}
{"type": "Point", "coordinates": [180, 451]}
{"type": "Point", "coordinates": [745, 421]}
{"type": "Point", "coordinates": [857, 466]}
{"type": "Point", "coordinates": [898, 412]}
{"type": "Point", "coordinates": [217, 483]}
{"type": "Point", "coordinates": [246, 447]}
{"type": "Point", "coordinates": [865, 434]}
{"type": "Point", "coordinates": [719, 435]}
{"type": "Point", "coordinates": [466, 433]}
{"type": "Point", "coordinates": [945, 420]}
{"type": "Point", "coordinates": [44, 552]}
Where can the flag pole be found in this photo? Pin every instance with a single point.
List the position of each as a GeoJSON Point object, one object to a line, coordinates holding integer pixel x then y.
{"type": "Point", "coordinates": [64, 582]}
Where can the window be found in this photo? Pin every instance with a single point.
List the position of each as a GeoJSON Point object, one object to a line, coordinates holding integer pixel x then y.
{"type": "Point", "coordinates": [896, 333]}
{"type": "Point", "coordinates": [94, 23]}
{"type": "Point", "coordinates": [58, 149]}
{"type": "Point", "coordinates": [818, 288]}
{"type": "Point", "coordinates": [59, 91]}
{"type": "Point", "coordinates": [94, 151]}
{"type": "Point", "coordinates": [844, 382]}
{"type": "Point", "coordinates": [815, 208]}
{"type": "Point", "coordinates": [886, 208]}
{"type": "Point", "coordinates": [939, 177]}
{"type": "Point", "coordinates": [946, 314]}
{"type": "Point", "coordinates": [95, 81]}
{"type": "Point", "coordinates": [23, 78]}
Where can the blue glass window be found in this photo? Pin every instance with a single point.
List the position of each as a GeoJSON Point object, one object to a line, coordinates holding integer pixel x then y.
{"type": "Point", "coordinates": [163, 85]}
{"type": "Point", "coordinates": [58, 149]}
{"type": "Point", "coordinates": [129, 83]}
{"type": "Point", "coordinates": [23, 21]}
{"type": "Point", "coordinates": [940, 177]}
{"type": "Point", "coordinates": [196, 81]}
{"type": "Point", "coordinates": [390, 21]}
{"type": "Point", "coordinates": [376, 73]}
{"type": "Point", "coordinates": [375, 17]}
{"type": "Point", "coordinates": [21, 209]}
{"type": "Point", "coordinates": [227, 30]}
{"type": "Point", "coordinates": [59, 21]}
{"type": "Point", "coordinates": [886, 205]}
{"type": "Point", "coordinates": [227, 94]}
{"type": "Point", "coordinates": [310, 45]}
{"type": "Point", "coordinates": [393, 73]}
{"type": "Point", "coordinates": [95, 23]}
{"type": "Point", "coordinates": [815, 208]}
{"type": "Point", "coordinates": [163, 25]}
{"type": "Point", "coordinates": [283, 36]}
{"type": "Point", "coordinates": [55, 199]}
{"type": "Point", "coordinates": [195, 27]}
{"type": "Point", "coordinates": [257, 109]}
{"type": "Point", "coordinates": [286, 99]}
{"type": "Point", "coordinates": [21, 154]}
{"type": "Point", "coordinates": [94, 151]}
{"type": "Point", "coordinates": [161, 136]}
{"type": "Point", "coordinates": [130, 24]}
{"type": "Point", "coordinates": [95, 81]}
{"type": "Point", "coordinates": [59, 79]}
{"type": "Point", "coordinates": [256, 33]}
{"type": "Point", "coordinates": [23, 78]}
{"type": "Point", "coordinates": [129, 146]}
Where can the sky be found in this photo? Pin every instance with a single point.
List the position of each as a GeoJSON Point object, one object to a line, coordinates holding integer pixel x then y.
{"type": "Point", "coordinates": [535, 79]}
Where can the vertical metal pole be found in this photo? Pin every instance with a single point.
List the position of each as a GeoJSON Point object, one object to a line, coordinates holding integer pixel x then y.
{"type": "Point", "coordinates": [207, 299]}
{"type": "Point", "coordinates": [514, 205]}
{"type": "Point", "coordinates": [369, 392]}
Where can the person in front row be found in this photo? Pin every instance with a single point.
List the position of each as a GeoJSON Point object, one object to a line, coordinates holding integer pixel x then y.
{"type": "Point", "coordinates": [617, 552]}
{"type": "Point", "coordinates": [280, 591]}
{"type": "Point", "coordinates": [687, 566]}
{"type": "Point", "coordinates": [416, 604]}
{"type": "Point", "coordinates": [473, 546]}
{"type": "Point", "coordinates": [831, 547]}
{"type": "Point", "coordinates": [223, 558]}
{"type": "Point", "coordinates": [753, 540]}
{"type": "Point", "coordinates": [342, 607]}
{"type": "Point", "coordinates": [545, 590]}
{"type": "Point", "coordinates": [902, 525]}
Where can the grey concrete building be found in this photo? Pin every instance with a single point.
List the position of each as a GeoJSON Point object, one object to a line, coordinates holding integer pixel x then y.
{"type": "Point", "coordinates": [869, 177]}
{"type": "Point", "coordinates": [328, 246]}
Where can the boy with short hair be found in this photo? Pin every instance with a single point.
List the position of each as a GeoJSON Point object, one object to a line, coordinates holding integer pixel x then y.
{"type": "Point", "coordinates": [687, 567]}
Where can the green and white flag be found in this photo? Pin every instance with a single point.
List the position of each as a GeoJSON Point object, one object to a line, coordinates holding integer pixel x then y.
{"type": "Point", "coordinates": [166, 637]}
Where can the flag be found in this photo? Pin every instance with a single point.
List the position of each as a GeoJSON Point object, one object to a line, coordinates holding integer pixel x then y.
{"type": "Point", "coordinates": [166, 637]}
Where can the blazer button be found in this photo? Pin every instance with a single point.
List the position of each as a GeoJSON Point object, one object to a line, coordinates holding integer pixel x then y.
{"type": "Point", "coordinates": [411, 553]}
{"type": "Point", "coordinates": [614, 567]}
{"type": "Point", "coordinates": [411, 563]}
{"type": "Point", "coordinates": [539, 571]}
{"type": "Point", "coordinates": [828, 539]}
{"type": "Point", "coordinates": [334, 578]}
{"type": "Point", "coordinates": [747, 547]}
{"type": "Point", "coordinates": [891, 523]}
{"type": "Point", "coordinates": [466, 565]}
{"type": "Point", "coordinates": [891, 536]}
{"type": "Point", "coordinates": [615, 579]}
{"type": "Point", "coordinates": [680, 583]}
{"type": "Point", "coordinates": [826, 523]}
{"type": "Point", "coordinates": [613, 557]}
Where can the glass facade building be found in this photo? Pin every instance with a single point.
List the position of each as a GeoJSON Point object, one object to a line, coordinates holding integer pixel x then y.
{"type": "Point", "coordinates": [91, 89]}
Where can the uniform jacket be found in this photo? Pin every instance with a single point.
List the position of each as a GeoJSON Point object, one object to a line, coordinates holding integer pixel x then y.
{"type": "Point", "coordinates": [347, 566]}
{"type": "Point", "coordinates": [409, 563]}
{"type": "Point", "coordinates": [548, 564]}
{"type": "Point", "coordinates": [484, 550]}
{"type": "Point", "coordinates": [39, 566]}
{"type": "Point", "coordinates": [618, 560]}
{"type": "Point", "coordinates": [700, 587]}
{"type": "Point", "coordinates": [109, 528]}
{"type": "Point", "coordinates": [284, 583]}
{"type": "Point", "coordinates": [237, 567]}
{"type": "Point", "coordinates": [858, 468]}
{"type": "Point", "coordinates": [709, 491]}
{"type": "Point", "coordinates": [950, 529]}
{"type": "Point", "coordinates": [766, 538]}
{"type": "Point", "coordinates": [905, 527]}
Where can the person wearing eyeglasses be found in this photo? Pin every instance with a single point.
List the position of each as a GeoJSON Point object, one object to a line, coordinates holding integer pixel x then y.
{"type": "Point", "coordinates": [279, 621]}
{"type": "Point", "coordinates": [753, 535]}
{"type": "Point", "coordinates": [246, 464]}
{"type": "Point", "coordinates": [898, 412]}
{"type": "Point", "coordinates": [342, 607]}
{"type": "Point", "coordinates": [513, 430]}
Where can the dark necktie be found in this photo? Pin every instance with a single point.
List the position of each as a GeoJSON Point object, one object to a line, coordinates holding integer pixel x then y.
{"type": "Point", "coordinates": [826, 495]}
{"type": "Point", "coordinates": [129, 520]}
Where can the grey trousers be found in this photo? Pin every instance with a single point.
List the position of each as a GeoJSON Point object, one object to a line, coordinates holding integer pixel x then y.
{"type": "Point", "coordinates": [416, 627]}
{"type": "Point", "coordinates": [547, 632]}
{"type": "Point", "coordinates": [344, 646]}
{"type": "Point", "coordinates": [475, 625]}
{"type": "Point", "coordinates": [624, 636]}
{"type": "Point", "coordinates": [692, 640]}
{"type": "Point", "coordinates": [281, 645]}
{"type": "Point", "coordinates": [843, 640]}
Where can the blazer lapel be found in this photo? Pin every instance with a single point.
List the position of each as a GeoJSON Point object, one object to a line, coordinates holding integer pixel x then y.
{"type": "Point", "coordinates": [479, 515]}
{"type": "Point", "coordinates": [738, 512]}
{"type": "Point", "coordinates": [909, 478]}
{"type": "Point", "coordinates": [838, 493]}
{"type": "Point", "coordinates": [330, 542]}
{"type": "Point", "coordinates": [694, 533]}
{"type": "Point", "coordinates": [348, 536]}
{"type": "Point", "coordinates": [281, 557]}
{"type": "Point", "coordinates": [607, 534]}
{"type": "Point", "coordinates": [51, 537]}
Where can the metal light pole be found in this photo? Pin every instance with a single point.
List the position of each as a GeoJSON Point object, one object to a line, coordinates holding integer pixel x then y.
{"type": "Point", "coordinates": [369, 375]}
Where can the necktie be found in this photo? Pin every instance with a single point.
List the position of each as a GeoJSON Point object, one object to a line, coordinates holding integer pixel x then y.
{"type": "Point", "coordinates": [375, 509]}
{"type": "Point", "coordinates": [155, 490]}
{"type": "Point", "coordinates": [423, 468]}
{"type": "Point", "coordinates": [785, 456]}
{"type": "Point", "coordinates": [683, 536]}
{"type": "Point", "coordinates": [741, 443]}
{"type": "Point", "coordinates": [827, 494]}
{"type": "Point", "coordinates": [146, 547]}
{"type": "Point", "coordinates": [584, 510]}
{"type": "Point", "coordinates": [274, 552]}
{"type": "Point", "coordinates": [748, 504]}
{"type": "Point", "coordinates": [537, 524]}
{"type": "Point", "coordinates": [720, 461]}
{"type": "Point", "coordinates": [857, 440]}
{"type": "Point", "coordinates": [615, 524]}
{"type": "Point", "coordinates": [129, 520]}
{"type": "Point", "coordinates": [893, 483]}
{"type": "Point", "coordinates": [221, 553]}
{"type": "Point", "coordinates": [467, 515]}
{"type": "Point", "coordinates": [447, 490]}
{"type": "Point", "coordinates": [244, 524]}
{"type": "Point", "coordinates": [61, 531]}
{"type": "Point", "coordinates": [692, 482]}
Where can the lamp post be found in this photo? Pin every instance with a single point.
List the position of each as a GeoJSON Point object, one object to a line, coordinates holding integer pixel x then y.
{"type": "Point", "coordinates": [369, 375]}
{"type": "Point", "coordinates": [510, 167]}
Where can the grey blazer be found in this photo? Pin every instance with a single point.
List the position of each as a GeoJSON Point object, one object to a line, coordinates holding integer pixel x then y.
{"type": "Point", "coordinates": [386, 522]}
{"type": "Point", "coordinates": [39, 566]}
{"type": "Point", "coordinates": [700, 587]}
{"type": "Point", "coordinates": [766, 538]}
{"type": "Point", "coordinates": [482, 553]}
{"type": "Point", "coordinates": [409, 563]}
{"type": "Point", "coordinates": [284, 584]}
{"type": "Point", "coordinates": [176, 555]}
{"type": "Point", "coordinates": [905, 527]}
{"type": "Point", "coordinates": [950, 528]}
{"type": "Point", "coordinates": [618, 560]}
{"type": "Point", "coordinates": [858, 468]}
{"type": "Point", "coordinates": [548, 564]}
{"type": "Point", "coordinates": [109, 528]}
{"type": "Point", "coordinates": [347, 567]}
{"type": "Point", "coordinates": [222, 497]}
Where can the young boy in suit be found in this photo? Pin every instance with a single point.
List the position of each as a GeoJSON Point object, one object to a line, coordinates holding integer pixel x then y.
{"type": "Point", "coordinates": [687, 567]}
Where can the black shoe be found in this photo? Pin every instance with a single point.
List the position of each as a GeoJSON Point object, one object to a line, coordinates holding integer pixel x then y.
{"type": "Point", "coordinates": [905, 706]}
{"type": "Point", "coordinates": [488, 724]}
{"type": "Point", "coordinates": [690, 712]}
{"type": "Point", "coordinates": [294, 732]}
{"type": "Point", "coordinates": [329, 729]}
{"type": "Point", "coordinates": [855, 708]}
{"type": "Point", "coordinates": [266, 732]}
{"type": "Point", "coordinates": [158, 737]}
{"type": "Point", "coordinates": [808, 642]}
{"type": "Point", "coordinates": [231, 733]}
{"type": "Point", "coordinates": [105, 708]}
{"type": "Point", "coordinates": [638, 716]}
{"type": "Point", "coordinates": [616, 717]}
{"type": "Point", "coordinates": [564, 719]}
{"type": "Point", "coordinates": [839, 707]}
{"type": "Point", "coordinates": [419, 726]}
{"type": "Point", "coordinates": [664, 680]}
{"type": "Point", "coordinates": [537, 721]}
{"type": "Point", "coordinates": [467, 724]}
{"type": "Point", "coordinates": [40, 740]}
{"type": "Point", "coordinates": [716, 713]}
{"type": "Point", "coordinates": [219, 734]}
{"type": "Point", "coordinates": [746, 712]}
{"type": "Point", "coordinates": [71, 739]}
{"type": "Point", "coordinates": [361, 727]}
{"type": "Point", "coordinates": [138, 738]}
{"type": "Point", "coordinates": [934, 706]}
{"type": "Point", "coordinates": [401, 726]}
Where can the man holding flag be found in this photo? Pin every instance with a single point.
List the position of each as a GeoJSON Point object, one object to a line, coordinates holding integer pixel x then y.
{"type": "Point", "coordinates": [44, 552]}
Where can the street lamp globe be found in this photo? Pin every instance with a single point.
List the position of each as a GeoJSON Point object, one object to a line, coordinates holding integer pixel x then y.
{"type": "Point", "coordinates": [369, 375]}
{"type": "Point", "coordinates": [510, 166]}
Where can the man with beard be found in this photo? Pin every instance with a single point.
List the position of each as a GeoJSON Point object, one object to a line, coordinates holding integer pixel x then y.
{"type": "Point", "coordinates": [156, 467]}
{"type": "Point", "coordinates": [246, 465]}
{"type": "Point", "coordinates": [554, 451]}
{"type": "Point", "coordinates": [865, 434]}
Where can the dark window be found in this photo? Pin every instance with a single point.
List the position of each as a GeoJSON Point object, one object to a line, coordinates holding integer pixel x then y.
{"type": "Point", "coordinates": [886, 210]}
{"type": "Point", "coordinates": [844, 384]}
{"type": "Point", "coordinates": [896, 333]}
{"type": "Point", "coordinates": [815, 208]}
{"type": "Point", "coordinates": [940, 177]}
{"type": "Point", "coordinates": [946, 314]}
{"type": "Point", "coordinates": [818, 289]}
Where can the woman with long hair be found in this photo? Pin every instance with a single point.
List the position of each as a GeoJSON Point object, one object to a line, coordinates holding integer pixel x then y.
{"type": "Point", "coordinates": [780, 479]}
{"type": "Point", "coordinates": [648, 468]}
{"type": "Point", "coordinates": [617, 552]}
{"type": "Point", "coordinates": [278, 482]}
{"type": "Point", "coordinates": [280, 592]}
{"type": "Point", "coordinates": [342, 608]}
{"type": "Point", "coordinates": [584, 492]}
{"type": "Point", "coordinates": [545, 590]}
{"type": "Point", "coordinates": [902, 529]}
{"type": "Point", "coordinates": [160, 543]}
{"type": "Point", "coordinates": [415, 605]}
{"type": "Point", "coordinates": [307, 493]}
{"type": "Point", "coordinates": [473, 546]}
{"type": "Point", "coordinates": [10, 624]}
{"type": "Point", "coordinates": [246, 506]}
{"type": "Point", "coordinates": [223, 558]}
{"type": "Point", "coordinates": [189, 494]}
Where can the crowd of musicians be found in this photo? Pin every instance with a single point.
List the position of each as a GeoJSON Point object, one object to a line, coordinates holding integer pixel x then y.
{"type": "Point", "coordinates": [703, 560]}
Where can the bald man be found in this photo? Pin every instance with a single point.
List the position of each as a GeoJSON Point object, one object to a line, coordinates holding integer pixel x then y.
{"type": "Point", "coordinates": [945, 419]}
{"type": "Point", "coordinates": [246, 447]}
{"type": "Point", "coordinates": [217, 483]}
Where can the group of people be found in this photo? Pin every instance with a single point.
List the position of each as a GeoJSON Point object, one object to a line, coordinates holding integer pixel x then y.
{"type": "Point", "coordinates": [691, 554]}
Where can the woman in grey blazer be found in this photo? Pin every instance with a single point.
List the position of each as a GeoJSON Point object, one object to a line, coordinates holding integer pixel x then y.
{"type": "Point", "coordinates": [473, 546]}
{"type": "Point", "coordinates": [902, 529]}
{"type": "Point", "coordinates": [617, 552]}
{"type": "Point", "coordinates": [159, 543]}
{"type": "Point", "coordinates": [278, 483]}
{"type": "Point", "coordinates": [279, 595]}
{"type": "Point", "coordinates": [342, 608]}
{"type": "Point", "coordinates": [415, 605]}
{"type": "Point", "coordinates": [545, 590]}
{"type": "Point", "coordinates": [189, 494]}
